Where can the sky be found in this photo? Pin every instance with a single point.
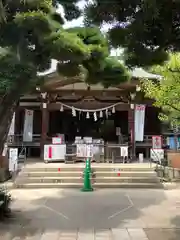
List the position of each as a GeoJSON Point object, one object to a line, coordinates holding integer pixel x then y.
{"type": "Point", "coordinates": [75, 22]}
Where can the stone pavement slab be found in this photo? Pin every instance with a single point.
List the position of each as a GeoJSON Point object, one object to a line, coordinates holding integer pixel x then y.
{"type": "Point", "coordinates": [131, 214]}
{"type": "Point", "coordinates": [163, 234]}
{"type": "Point", "coordinates": [120, 234]}
{"type": "Point", "coordinates": [137, 234]}
{"type": "Point", "coordinates": [85, 234]}
{"type": "Point", "coordinates": [91, 234]}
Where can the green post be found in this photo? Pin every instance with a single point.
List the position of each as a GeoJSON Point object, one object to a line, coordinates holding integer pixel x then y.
{"type": "Point", "coordinates": [88, 165]}
{"type": "Point", "coordinates": [87, 181]}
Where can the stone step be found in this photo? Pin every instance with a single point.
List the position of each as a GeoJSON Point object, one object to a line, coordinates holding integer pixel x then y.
{"type": "Point", "coordinates": [79, 174]}
{"type": "Point", "coordinates": [80, 180]}
{"type": "Point", "coordinates": [123, 168]}
{"type": "Point", "coordinates": [126, 180]}
{"type": "Point", "coordinates": [126, 174]}
{"type": "Point", "coordinates": [95, 185]}
{"type": "Point", "coordinates": [50, 174]}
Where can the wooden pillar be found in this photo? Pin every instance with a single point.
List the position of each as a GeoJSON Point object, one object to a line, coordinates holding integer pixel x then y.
{"type": "Point", "coordinates": [44, 123]}
{"type": "Point", "coordinates": [147, 152]}
{"type": "Point", "coordinates": [131, 123]}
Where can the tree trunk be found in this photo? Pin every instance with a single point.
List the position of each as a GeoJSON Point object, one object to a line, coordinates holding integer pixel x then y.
{"type": "Point", "coordinates": [7, 108]}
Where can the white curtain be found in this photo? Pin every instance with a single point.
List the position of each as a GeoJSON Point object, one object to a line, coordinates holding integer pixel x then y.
{"type": "Point", "coordinates": [139, 122]}
{"type": "Point", "coordinates": [12, 126]}
{"type": "Point", "coordinates": [28, 126]}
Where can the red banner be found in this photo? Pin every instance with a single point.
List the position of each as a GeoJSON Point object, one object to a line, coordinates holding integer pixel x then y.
{"type": "Point", "coordinates": [50, 152]}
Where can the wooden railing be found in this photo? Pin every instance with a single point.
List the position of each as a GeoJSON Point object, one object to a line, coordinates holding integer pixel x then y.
{"type": "Point", "coordinates": [18, 138]}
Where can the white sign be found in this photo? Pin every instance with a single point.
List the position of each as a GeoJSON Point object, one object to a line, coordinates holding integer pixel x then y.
{"type": "Point", "coordinates": [57, 140]}
{"type": "Point", "coordinates": [156, 142]}
{"type": "Point", "coordinates": [54, 152]}
{"type": "Point", "coordinates": [139, 122]}
{"type": "Point", "coordinates": [141, 157]}
{"type": "Point", "coordinates": [28, 126]}
{"type": "Point", "coordinates": [157, 154]}
{"type": "Point", "coordinates": [13, 159]}
{"type": "Point", "coordinates": [124, 151]}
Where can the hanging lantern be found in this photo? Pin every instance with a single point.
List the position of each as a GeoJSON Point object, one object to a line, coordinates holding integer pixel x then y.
{"type": "Point", "coordinates": [101, 114]}
{"type": "Point", "coordinates": [62, 108]}
{"type": "Point", "coordinates": [95, 116]}
{"type": "Point", "coordinates": [73, 112]}
{"type": "Point", "coordinates": [87, 115]}
{"type": "Point", "coordinates": [113, 110]}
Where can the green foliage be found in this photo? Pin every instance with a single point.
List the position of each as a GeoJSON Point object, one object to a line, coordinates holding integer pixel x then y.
{"type": "Point", "coordinates": [166, 93]}
{"type": "Point", "coordinates": [66, 46]}
{"type": "Point", "coordinates": [31, 35]}
{"type": "Point", "coordinates": [100, 67]}
{"type": "Point", "coordinates": [145, 29]}
{"type": "Point", "coordinates": [110, 73]}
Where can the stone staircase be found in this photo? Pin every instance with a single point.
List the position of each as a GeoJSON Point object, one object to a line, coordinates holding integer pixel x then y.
{"type": "Point", "coordinates": [71, 176]}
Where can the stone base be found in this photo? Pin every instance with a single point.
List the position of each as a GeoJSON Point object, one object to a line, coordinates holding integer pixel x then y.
{"type": "Point", "coordinates": [173, 159]}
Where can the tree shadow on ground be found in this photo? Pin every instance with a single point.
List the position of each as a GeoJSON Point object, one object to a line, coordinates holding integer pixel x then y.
{"type": "Point", "coordinates": [70, 210]}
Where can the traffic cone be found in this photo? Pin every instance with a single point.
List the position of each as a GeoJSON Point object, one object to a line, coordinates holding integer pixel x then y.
{"type": "Point", "coordinates": [87, 181]}
{"type": "Point", "coordinates": [88, 165]}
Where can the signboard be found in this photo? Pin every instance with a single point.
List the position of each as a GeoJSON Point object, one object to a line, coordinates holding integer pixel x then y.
{"type": "Point", "coordinates": [13, 159]}
{"type": "Point", "coordinates": [54, 152]}
{"type": "Point", "coordinates": [124, 151]}
{"type": "Point", "coordinates": [156, 142]}
{"type": "Point", "coordinates": [57, 140]}
{"type": "Point", "coordinates": [157, 154]}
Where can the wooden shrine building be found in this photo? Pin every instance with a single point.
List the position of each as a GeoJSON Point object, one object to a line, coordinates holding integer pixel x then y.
{"type": "Point", "coordinates": [73, 108]}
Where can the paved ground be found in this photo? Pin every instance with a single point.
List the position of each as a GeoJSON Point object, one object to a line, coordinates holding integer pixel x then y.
{"type": "Point", "coordinates": [101, 215]}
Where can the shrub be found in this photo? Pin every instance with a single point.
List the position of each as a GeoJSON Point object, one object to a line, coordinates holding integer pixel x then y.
{"type": "Point", "coordinates": [5, 200]}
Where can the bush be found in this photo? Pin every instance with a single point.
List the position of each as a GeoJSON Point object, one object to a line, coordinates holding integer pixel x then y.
{"type": "Point", "coordinates": [5, 200]}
